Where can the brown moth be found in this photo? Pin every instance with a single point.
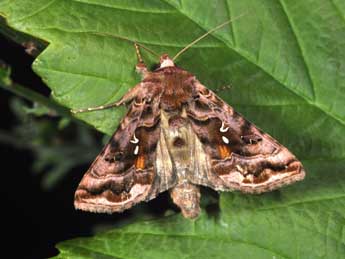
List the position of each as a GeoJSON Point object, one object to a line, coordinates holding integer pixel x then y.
{"type": "Point", "coordinates": [178, 135]}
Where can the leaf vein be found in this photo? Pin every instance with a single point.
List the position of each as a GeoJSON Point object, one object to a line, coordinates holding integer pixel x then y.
{"type": "Point", "coordinates": [100, 252]}
{"type": "Point", "coordinates": [338, 10]}
{"type": "Point", "coordinates": [197, 237]}
{"type": "Point", "coordinates": [231, 24]}
{"type": "Point", "coordinates": [303, 202]}
{"type": "Point", "coordinates": [44, 7]}
{"type": "Point", "coordinates": [79, 74]}
{"type": "Point", "coordinates": [152, 11]}
{"type": "Point", "coordinates": [152, 43]}
{"type": "Point", "coordinates": [294, 32]}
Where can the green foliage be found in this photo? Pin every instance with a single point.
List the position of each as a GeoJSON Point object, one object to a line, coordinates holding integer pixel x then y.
{"type": "Point", "coordinates": [5, 72]}
{"type": "Point", "coordinates": [57, 145]}
{"type": "Point", "coordinates": [285, 62]}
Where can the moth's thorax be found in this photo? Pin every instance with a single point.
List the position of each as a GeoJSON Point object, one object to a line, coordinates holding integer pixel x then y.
{"type": "Point", "coordinates": [176, 85]}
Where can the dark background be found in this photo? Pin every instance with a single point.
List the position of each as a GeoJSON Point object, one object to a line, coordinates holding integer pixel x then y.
{"type": "Point", "coordinates": [34, 220]}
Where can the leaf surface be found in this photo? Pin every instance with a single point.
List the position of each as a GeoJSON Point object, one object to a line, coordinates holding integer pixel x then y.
{"type": "Point", "coordinates": [285, 63]}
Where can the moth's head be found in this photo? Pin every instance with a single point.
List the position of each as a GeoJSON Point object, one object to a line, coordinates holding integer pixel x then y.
{"type": "Point", "coordinates": [166, 61]}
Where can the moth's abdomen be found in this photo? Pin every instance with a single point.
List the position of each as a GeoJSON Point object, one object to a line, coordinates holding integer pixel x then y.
{"type": "Point", "coordinates": [187, 197]}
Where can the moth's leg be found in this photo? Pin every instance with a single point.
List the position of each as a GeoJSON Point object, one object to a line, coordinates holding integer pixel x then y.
{"type": "Point", "coordinates": [222, 88]}
{"type": "Point", "coordinates": [97, 108]}
{"type": "Point", "coordinates": [141, 66]}
{"type": "Point", "coordinates": [130, 95]}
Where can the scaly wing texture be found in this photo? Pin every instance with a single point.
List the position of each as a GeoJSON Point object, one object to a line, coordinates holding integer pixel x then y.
{"type": "Point", "coordinates": [123, 174]}
{"type": "Point", "coordinates": [240, 156]}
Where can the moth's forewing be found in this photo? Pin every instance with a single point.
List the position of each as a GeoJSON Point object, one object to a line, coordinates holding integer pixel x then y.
{"type": "Point", "coordinates": [243, 156]}
{"type": "Point", "coordinates": [124, 174]}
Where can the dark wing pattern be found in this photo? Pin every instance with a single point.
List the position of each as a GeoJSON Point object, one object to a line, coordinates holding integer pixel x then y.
{"type": "Point", "coordinates": [123, 173]}
{"type": "Point", "coordinates": [240, 156]}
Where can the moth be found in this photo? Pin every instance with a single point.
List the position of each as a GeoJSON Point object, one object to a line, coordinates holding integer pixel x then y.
{"type": "Point", "coordinates": [176, 136]}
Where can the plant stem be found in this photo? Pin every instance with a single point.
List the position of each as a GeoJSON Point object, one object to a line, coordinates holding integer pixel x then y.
{"type": "Point", "coordinates": [36, 97]}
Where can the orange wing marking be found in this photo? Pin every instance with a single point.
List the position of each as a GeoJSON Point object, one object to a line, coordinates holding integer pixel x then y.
{"type": "Point", "coordinates": [224, 151]}
{"type": "Point", "coordinates": [140, 162]}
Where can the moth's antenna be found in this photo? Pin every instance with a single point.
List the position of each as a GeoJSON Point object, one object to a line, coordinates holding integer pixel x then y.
{"type": "Point", "coordinates": [126, 39]}
{"type": "Point", "coordinates": [206, 34]}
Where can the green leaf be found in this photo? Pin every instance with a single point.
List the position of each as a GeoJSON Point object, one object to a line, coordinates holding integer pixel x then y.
{"type": "Point", "coordinates": [285, 62]}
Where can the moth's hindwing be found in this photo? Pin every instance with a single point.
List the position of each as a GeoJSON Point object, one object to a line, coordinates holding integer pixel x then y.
{"type": "Point", "coordinates": [240, 154]}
